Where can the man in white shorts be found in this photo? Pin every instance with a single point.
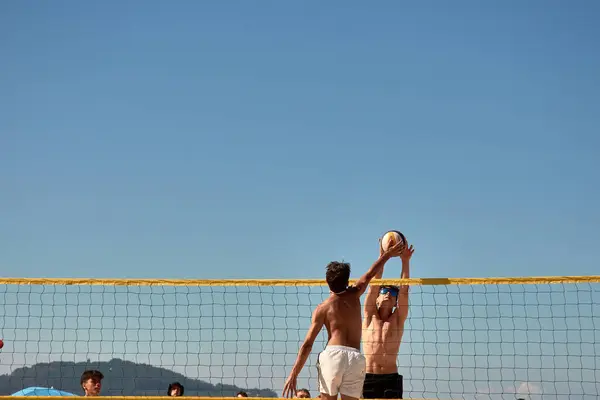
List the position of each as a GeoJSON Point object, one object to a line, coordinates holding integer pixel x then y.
{"type": "Point", "coordinates": [341, 366]}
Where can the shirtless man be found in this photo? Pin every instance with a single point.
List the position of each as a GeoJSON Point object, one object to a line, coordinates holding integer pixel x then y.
{"type": "Point", "coordinates": [382, 333]}
{"type": "Point", "coordinates": [341, 366]}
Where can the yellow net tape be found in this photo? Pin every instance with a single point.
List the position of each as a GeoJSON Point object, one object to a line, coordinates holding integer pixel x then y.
{"type": "Point", "coordinates": [529, 280]}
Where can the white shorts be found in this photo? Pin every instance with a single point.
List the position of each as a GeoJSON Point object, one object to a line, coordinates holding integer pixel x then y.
{"type": "Point", "coordinates": [341, 370]}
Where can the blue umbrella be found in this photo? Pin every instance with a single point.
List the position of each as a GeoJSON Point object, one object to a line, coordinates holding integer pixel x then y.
{"type": "Point", "coordinates": [41, 391]}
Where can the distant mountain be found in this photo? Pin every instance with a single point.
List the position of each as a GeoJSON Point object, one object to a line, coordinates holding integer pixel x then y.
{"type": "Point", "coordinates": [121, 377]}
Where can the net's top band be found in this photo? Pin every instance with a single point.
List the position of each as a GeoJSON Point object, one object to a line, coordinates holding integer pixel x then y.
{"type": "Point", "coordinates": [533, 280]}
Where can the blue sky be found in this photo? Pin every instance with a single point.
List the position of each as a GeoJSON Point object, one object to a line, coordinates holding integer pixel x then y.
{"type": "Point", "coordinates": [221, 139]}
{"type": "Point", "coordinates": [229, 140]}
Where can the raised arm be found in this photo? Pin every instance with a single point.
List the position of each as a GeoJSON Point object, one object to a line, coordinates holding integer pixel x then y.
{"type": "Point", "coordinates": [403, 295]}
{"type": "Point", "coordinates": [318, 320]}
{"type": "Point", "coordinates": [377, 267]}
{"type": "Point", "coordinates": [373, 292]}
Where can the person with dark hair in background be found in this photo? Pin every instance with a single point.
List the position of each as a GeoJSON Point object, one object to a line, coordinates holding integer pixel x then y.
{"type": "Point", "coordinates": [175, 389]}
{"type": "Point", "coordinates": [302, 394]}
{"type": "Point", "coordinates": [91, 382]}
{"type": "Point", "coordinates": [241, 394]}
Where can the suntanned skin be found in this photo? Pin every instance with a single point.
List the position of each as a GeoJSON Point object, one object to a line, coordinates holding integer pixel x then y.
{"type": "Point", "coordinates": [383, 326]}
{"type": "Point", "coordinates": [341, 315]}
{"type": "Point", "coordinates": [92, 387]}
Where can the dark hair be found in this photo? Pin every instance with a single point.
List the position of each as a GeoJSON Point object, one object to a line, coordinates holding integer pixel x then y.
{"type": "Point", "coordinates": [242, 393]}
{"type": "Point", "coordinates": [91, 374]}
{"type": "Point", "coordinates": [337, 276]}
{"type": "Point", "coordinates": [303, 391]}
{"type": "Point", "coordinates": [173, 386]}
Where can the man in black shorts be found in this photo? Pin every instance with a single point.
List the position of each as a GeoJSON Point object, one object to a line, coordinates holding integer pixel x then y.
{"type": "Point", "coordinates": [385, 312]}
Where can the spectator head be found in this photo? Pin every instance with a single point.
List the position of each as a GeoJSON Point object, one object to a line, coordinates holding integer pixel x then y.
{"type": "Point", "coordinates": [175, 389]}
{"type": "Point", "coordinates": [91, 382]}
{"type": "Point", "coordinates": [302, 394]}
{"type": "Point", "coordinates": [241, 394]}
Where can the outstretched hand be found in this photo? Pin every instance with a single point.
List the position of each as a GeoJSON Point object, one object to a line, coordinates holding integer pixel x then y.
{"type": "Point", "coordinates": [289, 390]}
{"type": "Point", "coordinates": [407, 253]}
{"type": "Point", "coordinates": [394, 251]}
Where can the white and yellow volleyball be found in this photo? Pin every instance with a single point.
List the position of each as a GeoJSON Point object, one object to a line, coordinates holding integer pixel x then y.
{"type": "Point", "coordinates": [391, 238]}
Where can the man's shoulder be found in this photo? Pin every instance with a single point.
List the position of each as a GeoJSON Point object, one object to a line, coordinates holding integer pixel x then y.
{"type": "Point", "coordinates": [369, 318]}
{"type": "Point", "coordinates": [351, 293]}
{"type": "Point", "coordinates": [354, 290]}
{"type": "Point", "coordinates": [323, 306]}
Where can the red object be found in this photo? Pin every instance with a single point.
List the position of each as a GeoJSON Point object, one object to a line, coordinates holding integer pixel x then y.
{"type": "Point", "coordinates": [1, 344]}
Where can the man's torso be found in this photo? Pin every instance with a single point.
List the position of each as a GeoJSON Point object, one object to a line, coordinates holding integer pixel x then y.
{"type": "Point", "coordinates": [343, 319]}
{"type": "Point", "coordinates": [381, 343]}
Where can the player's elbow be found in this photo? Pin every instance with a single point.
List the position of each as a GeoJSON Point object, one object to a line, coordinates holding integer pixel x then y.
{"type": "Point", "coordinates": [306, 347]}
{"type": "Point", "coordinates": [403, 312]}
{"type": "Point", "coordinates": [360, 284]}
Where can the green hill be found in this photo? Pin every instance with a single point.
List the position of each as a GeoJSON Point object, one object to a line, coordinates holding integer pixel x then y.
{"type": "Point", "coordinates": [121, 377]}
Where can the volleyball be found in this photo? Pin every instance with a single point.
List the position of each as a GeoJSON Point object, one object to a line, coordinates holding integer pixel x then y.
{"type": "Point", "coordinates": [391, 238]}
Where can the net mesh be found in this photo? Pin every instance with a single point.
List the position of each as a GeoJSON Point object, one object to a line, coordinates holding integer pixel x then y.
{"type": "Point", "coordinates": [495, 341]}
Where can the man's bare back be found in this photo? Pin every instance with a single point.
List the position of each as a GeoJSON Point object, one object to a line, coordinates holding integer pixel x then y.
{"type": "Point", "coordinates": [341, 367]}
{"type": "Point", "coordinates": [342, 316]}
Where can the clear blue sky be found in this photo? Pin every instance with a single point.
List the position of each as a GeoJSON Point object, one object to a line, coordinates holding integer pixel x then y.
{"type": "Point", "coordinates": [233, 139]}
{"type": "Point", "coordinates": [214, 139]}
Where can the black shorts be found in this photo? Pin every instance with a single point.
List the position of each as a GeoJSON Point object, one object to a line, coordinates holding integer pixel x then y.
{"type": "Point", "coordinates": [382, 386]}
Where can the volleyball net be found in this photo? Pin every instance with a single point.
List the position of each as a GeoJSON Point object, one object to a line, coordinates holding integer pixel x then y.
{"type": "Point", "coordinates": [504, 338]}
